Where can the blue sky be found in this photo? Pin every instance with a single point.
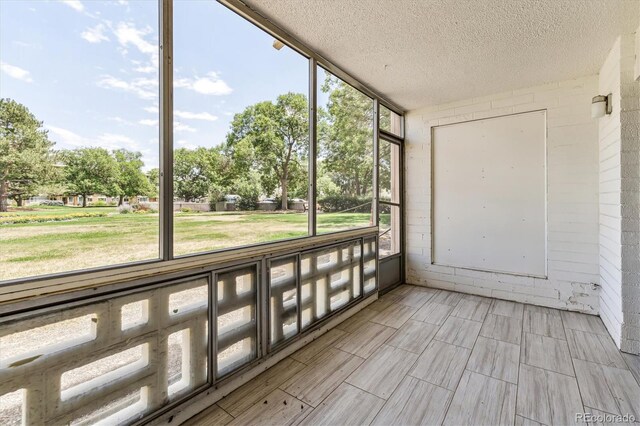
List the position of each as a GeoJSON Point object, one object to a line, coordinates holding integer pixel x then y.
{"type": "Point", "coordinates": [89, 70]}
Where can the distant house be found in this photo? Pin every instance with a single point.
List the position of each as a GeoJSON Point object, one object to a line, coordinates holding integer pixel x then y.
{"type": "Point", "coordinates": [76, 200]}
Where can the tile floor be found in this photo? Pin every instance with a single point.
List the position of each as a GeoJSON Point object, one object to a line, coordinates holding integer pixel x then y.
{"type": "Point", "coordinates": [431, 357]}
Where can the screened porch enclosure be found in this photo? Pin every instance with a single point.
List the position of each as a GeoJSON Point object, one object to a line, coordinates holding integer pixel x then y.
{"type": "Point", "coordinates": [380, 212]}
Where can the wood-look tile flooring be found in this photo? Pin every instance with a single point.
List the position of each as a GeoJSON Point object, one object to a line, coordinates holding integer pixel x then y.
{"type": "Point", "coordinates": [421, 356]}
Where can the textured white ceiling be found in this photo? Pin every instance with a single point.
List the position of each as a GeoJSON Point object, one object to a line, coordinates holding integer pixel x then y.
{"type": "Point", "coordinates": [427, 52]}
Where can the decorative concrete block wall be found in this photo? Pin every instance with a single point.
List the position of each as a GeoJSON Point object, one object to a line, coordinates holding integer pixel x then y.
{"type": "Point", "coordinates": [572, 197]}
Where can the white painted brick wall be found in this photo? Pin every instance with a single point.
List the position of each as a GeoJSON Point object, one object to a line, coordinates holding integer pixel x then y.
{"type": "Point", "coordinates": [630, 196]}
{"type": "Point", "coordinates": [610, 208]}
{"type": "Point", "coordinates": [573, 166]}
{"type": "Point", "coordinates": [620, 197]}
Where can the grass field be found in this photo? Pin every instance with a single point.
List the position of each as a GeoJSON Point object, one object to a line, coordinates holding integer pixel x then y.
{"type": "Point", "coordinates": [32, 249]}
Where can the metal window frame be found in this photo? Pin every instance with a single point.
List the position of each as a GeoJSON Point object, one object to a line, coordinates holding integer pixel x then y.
{"type": "Point", "coordinates": [313, 145]}
{"type": "Point", "coordinates": [398, 141]}
{"type": "Point", "coordinates": [166, 214]}
{"type": "Point", "coordinates": [166, 129]}
{"type": "Point", "coordinates": [393, 135]}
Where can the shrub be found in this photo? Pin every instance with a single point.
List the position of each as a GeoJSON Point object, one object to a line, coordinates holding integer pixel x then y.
{"type": "Point", "coordinates": [249, 192]}
{"type": "Point", "coordinates": [51, 203]}
{"type": "Point", "coordinates": [216, 193]}
{"type": "Point", "coordinates": [341, 203]}
{"type": "Point", "coordinates": [12, 220]}
{"type": "Point", "coordinates": [143, 208]}
{"type": "Point", "coordinates": [125, 209]}
{"type": "Point", "coordinates": [99, 203]}
{"type": "Point", "coordinates": [279, 202]}
{"type": "Point", "coordinates": [186, 209]}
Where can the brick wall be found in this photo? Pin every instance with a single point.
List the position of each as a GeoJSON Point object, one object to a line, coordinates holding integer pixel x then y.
{"type": "Point", "coordinates": [610, 209]}
{"type": "Point", "coordinates": [620, 197]}
{"type": "Point", "coordinates": [630, 196]}
{"type": "Point", "coordinates": [572, 198]}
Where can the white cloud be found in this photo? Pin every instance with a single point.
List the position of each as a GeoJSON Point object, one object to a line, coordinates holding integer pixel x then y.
{"type": "Point", "coordinates": [146, 69]}
{"type": "Point", "coordinates": [106, 140]}
{"type": "Point", "coordinates": [186, 144]}
{"type": "Point", "coordinates": [26, 45]}
{"type": "Point", "coordinates": [179, 127]}
{"type": "Point", "coordinates": [66, 137]}
{"type": "Point", "coordinates": [144, 88]}
{"type": "Point", "coordinates": [111, 141]}
{"type": "Point", "coordinates": [127, 34]}
{"type": "Point", "coordinates": [209, 85]}
{"type": "Point", "coordinates": [195, 115]}
{"type": "Point", "coordinates": [119, 120]}
{"type": "Point", "coordinates": [15, 72]}
{"type": "Point", "coordinates": [114, 141]}
{"type": "Point", "coordinates": [152, 109]}
{"type": "Point", "coordinates": [148, 122]}
{"type": "Point", "coordinates": [95, 34]}
{"type": "Point", "coordinates": [74, 4]}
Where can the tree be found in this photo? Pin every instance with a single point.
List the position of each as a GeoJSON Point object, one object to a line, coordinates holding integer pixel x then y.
{"type": "Point", "coordinates": [194, 171]}
{"type": "Point", "coordinates": [273, 139]}
{"type": "Point", "coordinates": [131, 181]}
{"type": "Point", "coordinates": [153, 177]}
{"type": "Point", "coordinates": [90, 171]}
{"type": "Point", "coordinates": [346, 138]}
{"type": "Point", "coordinates": [26, 156]}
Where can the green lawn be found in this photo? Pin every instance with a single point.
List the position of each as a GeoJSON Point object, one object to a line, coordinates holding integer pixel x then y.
{"type": "Point", "coordinates": [41, 248]}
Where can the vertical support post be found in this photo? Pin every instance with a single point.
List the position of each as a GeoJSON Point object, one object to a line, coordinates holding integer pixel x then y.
{"type": "Point", "coordinates": [298, 273]}
{"type": "Point", "coordinates": [166, 129]}
{"type": "Point", "coordinates": [376, 143]}
{"type": "Point", "coordinates": [213, 326]}
{"type": "Point", "coordinates": [263, 306]}
{"type": "Point", "coordinates": [313, 142]}
{"type": "Point", "coordinates": [402, 212]}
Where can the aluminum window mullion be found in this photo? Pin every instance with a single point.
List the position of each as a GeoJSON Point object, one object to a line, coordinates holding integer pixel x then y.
{"type": "Point", "coordinates": [212, 351]}
{"type": "Point", "coordinates": [313, 144]}
{"type": "Point", "coordinates": [376, 143]}
{"type": "Point", "coordinates": [390, 137]}
{"type": "Point", "coordinates": [390, 203]}
{"type": "Point", "coordinates": [166, 129]}
{"type": "Point", "coordinates": [263, 292]}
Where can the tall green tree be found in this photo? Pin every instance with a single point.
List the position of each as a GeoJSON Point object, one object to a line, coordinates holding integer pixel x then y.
{"type": "Point", "coordinates": [26, 155]}
{"type": "Point", "coordinates": [272, 139]}
{"type": "Point", "coordinates": [195, 170]}
{"type": "Point", "coordinates": [90, 171]}
{"type": "Point", "coordinates": [131, 181]}
{"type": "Point", "coordinates": [153, 176]}
{"type": "Point", "coordinates": [346, 138]}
